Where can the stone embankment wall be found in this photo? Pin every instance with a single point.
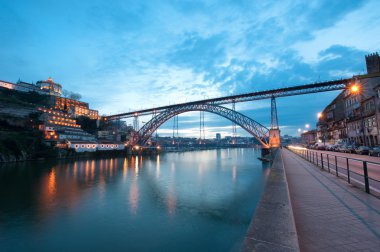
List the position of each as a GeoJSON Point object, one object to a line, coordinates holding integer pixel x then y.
{"type": "Point", "coordinates": [272, 227]}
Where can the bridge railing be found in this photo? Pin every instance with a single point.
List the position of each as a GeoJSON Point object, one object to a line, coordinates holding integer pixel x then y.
{"type": "Point", "coordinates": [357, 172]}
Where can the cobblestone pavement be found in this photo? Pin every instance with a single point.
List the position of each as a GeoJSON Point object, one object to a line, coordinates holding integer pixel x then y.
{"type": "Point", "coordinates": [330, 215]}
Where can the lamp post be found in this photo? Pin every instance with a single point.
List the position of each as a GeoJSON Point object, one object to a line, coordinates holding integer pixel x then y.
{"type": "Point", "coordinates": [319, 115]}
{"type": "Point", "coordinates": [355, 89]}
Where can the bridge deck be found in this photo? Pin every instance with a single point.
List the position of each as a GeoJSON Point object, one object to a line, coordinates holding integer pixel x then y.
{"type": "Point", "coordinates": [329, 214]}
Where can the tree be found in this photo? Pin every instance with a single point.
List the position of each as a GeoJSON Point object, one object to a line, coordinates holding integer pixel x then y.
{"type": "Point", "coordinates": [66, 93]}
{"type": "Point", "coordinates": [75, 96]}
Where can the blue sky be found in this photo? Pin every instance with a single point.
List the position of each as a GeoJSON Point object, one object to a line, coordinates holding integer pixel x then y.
{"type": "Point", "coordinates": [126, 55]}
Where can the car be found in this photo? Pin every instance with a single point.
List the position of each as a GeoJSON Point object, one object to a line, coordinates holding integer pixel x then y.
{"type": "Point", "coordinates": [363, 150]}
{"type": "Point", "coordinates": [350, 149]}
{"type": "Point", "coordinates": [342, 148]}
{"type": "Point", "coordinates": [375, 151]}
{"type": "Point", "coordinates": [336, 146]}
{"type": "Point", "coordinates": [333, 147]}
{"type": "Point", "coordinates": [321, 146]}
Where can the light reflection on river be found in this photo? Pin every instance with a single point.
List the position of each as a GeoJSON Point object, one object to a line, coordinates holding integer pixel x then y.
{"type": "Point", "coordinates": [191, 201]}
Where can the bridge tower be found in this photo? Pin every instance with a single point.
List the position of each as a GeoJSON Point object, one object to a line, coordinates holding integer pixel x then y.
{"type": "Point", "coordinates": [274, 132]}
{"type": "Point", "coordinates": [233, 125]}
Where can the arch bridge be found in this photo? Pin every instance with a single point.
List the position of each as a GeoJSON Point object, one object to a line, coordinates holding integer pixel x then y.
{"type": "Point", "coordinates": [259, 131]}
{"type": "Point", "coordinates": [269, 138]}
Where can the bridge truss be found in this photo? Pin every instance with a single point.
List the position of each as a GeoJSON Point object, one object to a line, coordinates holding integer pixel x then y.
{"type": "Point", "coordinates": [260, 95]}
{"type": "Point", "coordinates": [260, 132]}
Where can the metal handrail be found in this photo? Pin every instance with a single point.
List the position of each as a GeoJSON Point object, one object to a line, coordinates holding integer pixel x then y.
{"type": "Point", "coordinates": [317, 157]}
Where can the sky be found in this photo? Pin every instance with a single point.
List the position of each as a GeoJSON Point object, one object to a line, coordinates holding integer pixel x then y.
{"type": "Point", "coordinates": [124, 55]}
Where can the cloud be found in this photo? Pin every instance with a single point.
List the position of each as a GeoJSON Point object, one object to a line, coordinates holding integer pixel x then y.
{"type": "Point", "coordinates": [357, 29]}
{"type": "Point", "coordinates": [129, 55]}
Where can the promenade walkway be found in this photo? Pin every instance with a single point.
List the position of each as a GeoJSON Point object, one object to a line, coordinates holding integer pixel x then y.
{"type": "Point", "coordinates": [329, 214]}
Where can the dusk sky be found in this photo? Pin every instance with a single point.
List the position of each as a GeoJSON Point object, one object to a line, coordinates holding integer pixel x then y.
{"type": "Point", "coordinates": [128, 55]}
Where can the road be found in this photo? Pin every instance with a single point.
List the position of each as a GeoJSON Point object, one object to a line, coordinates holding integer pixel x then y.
{"type": "Point", "coordinates": [355, 163]}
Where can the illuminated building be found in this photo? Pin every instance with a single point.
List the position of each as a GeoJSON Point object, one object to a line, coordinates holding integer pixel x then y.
{"type": "Point", "coordinates": [74, 107]}
{"type": "Point", "coordinates": [82, 146]}
{"type": "Point", "coordinates": [110, 145]}
{"type": "Point", "coordinates": [53, 117]}
{"type": "Point", "coordinates": [92, 146]}
{"type": "Point", "coordinates": [53, 89]}
{"type": "Point", "coordinates": [47, 87]}
{"type": "Point", "coordinates": [7, 85]}
{"type": "Point", "coordinates": [59, 126]}
{"type": "Point", "coordinates": [50, 87]}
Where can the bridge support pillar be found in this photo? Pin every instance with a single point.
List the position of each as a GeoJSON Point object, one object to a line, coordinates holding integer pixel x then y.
{"type": "Point", "coordinates": [268, 154]}
{"type": "Point", "coordinates": [274, 138]}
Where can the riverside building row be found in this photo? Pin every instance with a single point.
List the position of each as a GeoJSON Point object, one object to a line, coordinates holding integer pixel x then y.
{"type": "Point", "coordinates": [353, 117]}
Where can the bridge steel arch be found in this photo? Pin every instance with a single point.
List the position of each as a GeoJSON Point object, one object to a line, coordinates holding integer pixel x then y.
{"type": "Point", "coordinates": [260, 132]}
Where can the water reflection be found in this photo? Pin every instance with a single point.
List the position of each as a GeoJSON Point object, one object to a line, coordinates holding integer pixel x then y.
{"type": "Point", "coordinates": [234, 173]}
{"type": "Point", "coordinates": [133, 197]}
{"type": "Point", "coordinates": [158, 167]}
{"type": "Point", "coordinates": [203, 193]}
{"type": "Point", "coordinates": [125, 169]}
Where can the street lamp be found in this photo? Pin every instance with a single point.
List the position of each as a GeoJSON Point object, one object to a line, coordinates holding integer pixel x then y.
{"type": "Point", "coordinates": [319, 115]}
{"type": "Point", "coordinates": [355, 88]}
{"type": "Point", "coordinates": [307, 126]}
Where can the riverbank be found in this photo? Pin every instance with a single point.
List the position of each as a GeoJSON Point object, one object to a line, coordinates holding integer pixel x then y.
{"type": "Point", "coordinates": [56, 153]}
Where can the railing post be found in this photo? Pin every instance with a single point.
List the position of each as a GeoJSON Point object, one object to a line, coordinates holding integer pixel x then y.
{"type": "Point", "coordinates": [316, 157]}
{"type": "Point", "coordinates": [313, 158]}
{"type": "Point", "coordinates": [328, 163]}
{"type": "Point", "coordinates": [348, 172]}
{"type": "Point", "coordinates": [322, 160]}
{"type": "Point", "coordinates": [336, 167]}
{"type": "Point", "coordinates": [366, 182]}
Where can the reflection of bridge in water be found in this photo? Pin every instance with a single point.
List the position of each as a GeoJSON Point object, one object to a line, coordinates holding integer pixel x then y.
{"type": "Point", "coordinates": [269, 138]}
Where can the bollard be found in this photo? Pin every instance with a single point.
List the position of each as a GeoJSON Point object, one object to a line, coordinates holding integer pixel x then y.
{"type": "Point", "coordinates": [348, 172]}
{"type": "Point", "coordinates": [336, 167]}
{"type": "Point", "coordinates": [366, 176]}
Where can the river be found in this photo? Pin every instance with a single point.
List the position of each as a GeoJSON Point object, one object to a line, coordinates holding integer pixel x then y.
{"type": "Point", "coordinates": [189, 201]}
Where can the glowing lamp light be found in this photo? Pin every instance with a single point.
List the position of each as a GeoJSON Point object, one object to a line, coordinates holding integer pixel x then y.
{"type": "Point", "coordinates": [137, 147]}
{"type": "Point", "coordinates": [319, 115]}
{"type": "Point", "coordinates": [158, 147]}
{"type": "Point", "coordinates": [354, 88]}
